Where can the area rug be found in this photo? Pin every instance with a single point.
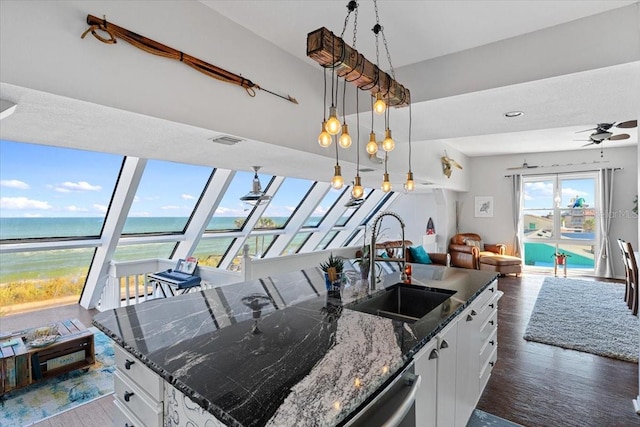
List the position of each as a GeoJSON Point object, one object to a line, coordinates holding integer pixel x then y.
{"type": "Point", "coordinates": [50, 397]}
{"type": "Point", "coordinates": [587, 316]}
{"type": "Point", "coordinates": [482, 419]}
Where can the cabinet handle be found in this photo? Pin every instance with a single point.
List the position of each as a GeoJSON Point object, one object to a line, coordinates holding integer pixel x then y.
{"type": "Point", "coordinates": [434, 354]}
{"type": "Point", "coordinates": [492, 364]}
{"type": "Point", "coordinates": [492, 289]}
{"type": "Point", "coordinates": [127, 396]}
{"type": "Point", "coordinates": [473, 312]}
{"type": "Point", "coordinates": [491, 305]}
{"type": "Point", "coordinates": [469, 318]}
{"type": "Point", "coordinates": [491, 322]}
{"type": "Point", "coordinates": [128, 425]}
{"type": "Point", "coordinates": [444, 344]}
{"type": "Point", "coordinates": [492, 342]}
{"type": "Point", "coordinates": [127, 364]}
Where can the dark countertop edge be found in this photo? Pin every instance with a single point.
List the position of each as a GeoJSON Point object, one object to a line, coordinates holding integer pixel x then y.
{"type": "Point", "coordinates": [221, 415]}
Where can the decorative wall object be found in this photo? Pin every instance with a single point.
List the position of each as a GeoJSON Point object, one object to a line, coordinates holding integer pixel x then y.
{"type": "Point", "coordinates": [484, 207]}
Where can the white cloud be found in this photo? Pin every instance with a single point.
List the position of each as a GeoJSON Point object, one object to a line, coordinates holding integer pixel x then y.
{"type": "Point", "coordinates": [21, 203]}
{"type": "Point", "coordinates": [14, 183]}
{"type": "Point", "coordinates": [68, 186]}
{"type": "Point", "coordinates": [30, 215]}
{"type": "Point", "coordinates": [100, 208]}
{"type": "Point", "coordinates": [75, 209]}
{"type": "Point", "coordinates": [188, 197]}
{"type": "Point", "coordinates": [222, 211]}
{"type": "Point", "coordinates": [170, 207]}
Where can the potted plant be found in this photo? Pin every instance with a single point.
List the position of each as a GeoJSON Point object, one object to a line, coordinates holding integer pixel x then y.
{"type": "Point", "coordinates": [333, 268]}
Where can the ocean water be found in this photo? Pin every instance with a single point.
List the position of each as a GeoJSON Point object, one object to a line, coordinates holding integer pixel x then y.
{"type": "Point", "coordinates": [75, 262]}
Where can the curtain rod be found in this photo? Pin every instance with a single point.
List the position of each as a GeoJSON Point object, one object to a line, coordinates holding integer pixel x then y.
{"type": "Point", "coordinates": [561, 173]}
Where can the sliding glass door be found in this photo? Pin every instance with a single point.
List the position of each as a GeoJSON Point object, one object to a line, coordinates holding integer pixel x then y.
{"type": "Point", "coordinates": [559, 217]}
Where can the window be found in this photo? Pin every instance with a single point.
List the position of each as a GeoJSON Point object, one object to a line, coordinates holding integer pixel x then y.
{"type": "Point", "coordinates": [210, 251]}
{"type": "Point", "coordinates": [51, 192]}
{"type": "Point", "coordinates": [166, 197]}
{"type": "Point", "coordinates": [559, 215]}
{"type": "Point", "coordinates": [284, 203]}
{"type": "Point", "coordinates": [325, 206]}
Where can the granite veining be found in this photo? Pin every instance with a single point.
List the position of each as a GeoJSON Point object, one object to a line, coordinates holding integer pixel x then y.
{"type": "Point", "coordinates": [304, 359]}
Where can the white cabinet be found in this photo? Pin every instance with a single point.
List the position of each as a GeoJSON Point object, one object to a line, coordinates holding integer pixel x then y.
{"type": "Point", "coordinates": [477, 350]}
{"type": "Point", "coordinates": [436, 365]}
{"type": "Point", "coordinates": [138, 392]}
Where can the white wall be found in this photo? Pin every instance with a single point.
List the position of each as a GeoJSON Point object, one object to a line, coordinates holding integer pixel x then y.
{"type": "Point", "coordinates": [488, 179]}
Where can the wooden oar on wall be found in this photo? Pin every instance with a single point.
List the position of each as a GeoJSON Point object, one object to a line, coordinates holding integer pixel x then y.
{"type": "Point", "coordinates": [115, 32]}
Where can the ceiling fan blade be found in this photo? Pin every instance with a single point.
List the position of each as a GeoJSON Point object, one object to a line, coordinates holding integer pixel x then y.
{"type": "Point", "coordinates": [628, 124]}
{"type": "Point", "coordinates": [619, 137]}
{"type": "Point", "coordinates": [586, 130]}
{"type": "Point", "coordinates": [591, 143]}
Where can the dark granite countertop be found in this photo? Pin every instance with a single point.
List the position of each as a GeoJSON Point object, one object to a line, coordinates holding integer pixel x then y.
{"type": "Point", "coordinates": [314, 360]}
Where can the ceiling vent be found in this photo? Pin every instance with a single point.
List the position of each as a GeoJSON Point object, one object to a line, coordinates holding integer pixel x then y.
{"type": "Point", "coordinates": [365, 170]}
{"type": "Point", "coordinates": [225, 140]}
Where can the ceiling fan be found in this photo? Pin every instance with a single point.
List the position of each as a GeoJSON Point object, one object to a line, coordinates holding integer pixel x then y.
{"type": "Point", "coordinates": [525, 165]}
{"type": "Point", "coordinates": [602, 132]}
{"type": "Point", "coordinates": [256, 196]}
{"type": "Point", "coordinates": [447, 164]}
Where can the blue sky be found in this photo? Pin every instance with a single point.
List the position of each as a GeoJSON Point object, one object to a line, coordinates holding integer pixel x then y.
{"type": "Point", "coordinates": [43, 181]}
{"type": "Point", "coordinates": [540, 194]}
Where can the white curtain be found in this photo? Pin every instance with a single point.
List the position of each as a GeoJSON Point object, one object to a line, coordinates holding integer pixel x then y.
{"type": "Point", "coordinates": [516, 188]}
{"type": "Point", "coordinates": [604, 260]}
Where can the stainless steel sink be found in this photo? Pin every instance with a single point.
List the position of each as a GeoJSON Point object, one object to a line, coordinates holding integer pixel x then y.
{"type": "Point", "coordinates": [408, 303]}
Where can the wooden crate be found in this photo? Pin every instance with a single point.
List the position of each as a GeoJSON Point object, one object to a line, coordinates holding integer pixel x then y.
{"type": "Point", "coordinates": [23, 365]}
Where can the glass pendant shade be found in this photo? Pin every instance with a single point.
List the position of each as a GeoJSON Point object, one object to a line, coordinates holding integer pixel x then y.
{"type": "Point", "coordinates": [357, 191]}
{"type": "Point", "coordinates": [333, 124]}
{"type": "Point", "coordinates": [337, 182]}
{"type": "Point", "coordinates": [388, 144]}
{"type": "Point", "coordinates": [372, 145]}
{"type": "Point", "coordinates": [324, 139]}
{"type": "Point", "coordinates": [409, 185]}
{"type": "Point", "coordinates": [386, 185]}
{"type": "Point", "coordinates": [379, 106]}
{"type": "Point", "coordinates": [345, 138]}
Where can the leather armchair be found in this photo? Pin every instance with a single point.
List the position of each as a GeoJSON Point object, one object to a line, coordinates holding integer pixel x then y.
{"type": "Point", "coordinates": [466, 256]}
{"type": "Point", "coordinates": [436, 257]}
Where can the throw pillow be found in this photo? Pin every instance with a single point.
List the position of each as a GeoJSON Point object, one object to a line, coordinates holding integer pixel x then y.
{"type": "Point", "coordinates": [419, 255]}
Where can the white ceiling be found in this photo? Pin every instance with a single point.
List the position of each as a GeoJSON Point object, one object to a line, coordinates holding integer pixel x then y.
{"type": "Point", "coordinates": [473, 123]}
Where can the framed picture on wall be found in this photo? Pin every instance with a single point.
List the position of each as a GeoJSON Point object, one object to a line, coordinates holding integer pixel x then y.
{"type": "Point", "coordinates": [484, 207]}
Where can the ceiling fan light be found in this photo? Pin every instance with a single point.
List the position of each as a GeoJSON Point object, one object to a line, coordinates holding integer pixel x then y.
{"type": "Point", "coordinates": [345, 138]}
{"type": "Point", "coordinates": [372, 145]}
{"type": "Point", "coordinates": [324, 139]}
{"type": "Point", "coordinates": [333, 124]}
{"type": "Point", "coordinates": [337, 182]}
{"type": "Point", "coordinates": [379, 106]}
{"type": "Point", "coordinates": [388, 144]}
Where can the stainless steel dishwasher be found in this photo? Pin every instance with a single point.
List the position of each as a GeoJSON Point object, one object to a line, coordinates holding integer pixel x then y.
{"type": "Point", "coordinates": [394, 406]}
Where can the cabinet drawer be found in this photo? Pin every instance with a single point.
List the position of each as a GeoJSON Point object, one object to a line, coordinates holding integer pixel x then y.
{"type": "Point", "coordinates": [486, 371]}
{"type": "Point", "coordinates": [489, 326]}
{"type": "Point", "coordinates": [487, 348]}
{"type": "Point", "coordinates": [142, 376]}
{"type": "Point", "coordinates": [485, 296]}
{"type": "Point", "coordinates": [122, 417]}
{"type": "Point", "coordinates": [136, 401]}
{"type": "Point", "coordinates": [488, 308]}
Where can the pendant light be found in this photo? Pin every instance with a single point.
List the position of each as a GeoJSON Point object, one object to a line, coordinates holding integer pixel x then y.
{"type": "Point", "coordinates": [324, 139]}
{"type": "Point", "coordinates": [386, 184]}
{"type": "Point", "coordinates": [357, 191]}
{"type": "Point", "coordinates": [409, 185]}
{"type": "Point", "coordinates": [372, 145]}
{"type": "Point", "coordinates": [337, 182]}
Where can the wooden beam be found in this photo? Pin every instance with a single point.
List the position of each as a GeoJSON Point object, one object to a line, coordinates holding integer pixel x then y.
{"type": "Point", "coordinates": [331, 51]}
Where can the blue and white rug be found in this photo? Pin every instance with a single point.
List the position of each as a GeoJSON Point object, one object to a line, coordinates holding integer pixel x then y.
{"type": "Point", "coordinates": [483, 419]}
{"type": "Point", "coordinates": [50, 397]}
{"type": "Point", "coordinates": [587, 316]}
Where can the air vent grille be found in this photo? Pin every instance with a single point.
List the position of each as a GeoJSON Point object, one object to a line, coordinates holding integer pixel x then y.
{"type": "Point", "coordinates": [365, 170]}
{"type": "Point", "coordinates": [225, 140]}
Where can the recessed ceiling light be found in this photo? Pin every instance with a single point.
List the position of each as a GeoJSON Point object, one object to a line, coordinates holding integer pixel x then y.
{"type": "Point", "coordinates": [513, 114]}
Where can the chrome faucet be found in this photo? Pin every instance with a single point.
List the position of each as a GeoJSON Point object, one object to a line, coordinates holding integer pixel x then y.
{"type": "Point", "coordinates": [372, 249]}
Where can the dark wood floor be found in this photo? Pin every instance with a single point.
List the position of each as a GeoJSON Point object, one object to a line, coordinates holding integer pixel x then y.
{"type": "Point", "coordinates": [532, 384]}
{"type": "Point", "coordinates": [540, 385]}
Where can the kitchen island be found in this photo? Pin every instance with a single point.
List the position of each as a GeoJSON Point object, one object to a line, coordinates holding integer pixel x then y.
{"type": "Point", "coordinates": [277, 351]}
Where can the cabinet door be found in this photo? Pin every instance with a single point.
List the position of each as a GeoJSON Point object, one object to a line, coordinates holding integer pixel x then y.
{"type": "Point", "coordinates": [447, 369]}
{"type": "Point", "coordinates": [426, 365]}
{"type": "Point", "coordinates": [468, 350]}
